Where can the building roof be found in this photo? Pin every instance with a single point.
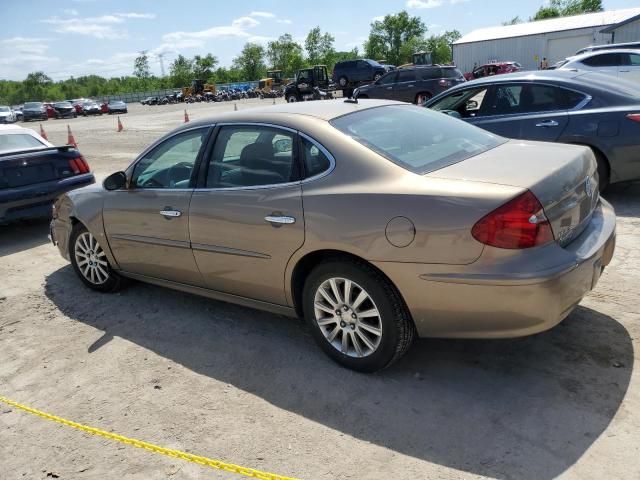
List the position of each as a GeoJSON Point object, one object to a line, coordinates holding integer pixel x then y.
{"type": "Point", "coordinates": [598, 19]}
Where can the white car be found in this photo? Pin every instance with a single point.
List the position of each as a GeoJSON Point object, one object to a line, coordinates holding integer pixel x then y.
{"type": "Point", "coordinates": [7, 115]}
{"type": "Point", "coordinates": [623, 63]}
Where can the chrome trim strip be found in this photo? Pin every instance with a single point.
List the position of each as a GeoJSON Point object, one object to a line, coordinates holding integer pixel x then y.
{"type": "Point", "coordinates": [228, 251]}
{"type": "Point", "coordinates": [151, 240]}
{"type": "Point", "coordinates": [256, 124]}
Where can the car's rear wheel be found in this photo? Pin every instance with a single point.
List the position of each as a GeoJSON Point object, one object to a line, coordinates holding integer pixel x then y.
{"type": "Point", "coordinates": [343, 82]}
{"type": "Point", "coordinates": [292, 98]}
{"type": "Point", "coordinates": [603, 171]}
{"type": "Point", "coordinates": [356, 315]}
{"type": "Point", "coordinates": [422, 97]}
{"type": "Point", "coordinates": [90, 261]}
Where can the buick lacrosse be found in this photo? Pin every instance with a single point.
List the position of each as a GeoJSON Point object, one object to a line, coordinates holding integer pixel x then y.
{"type": "Point", "coordinates": [376, 221]}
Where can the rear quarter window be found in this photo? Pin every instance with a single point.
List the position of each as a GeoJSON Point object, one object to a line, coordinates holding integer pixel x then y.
{"type": "Point", "coordinates": [451, 73]}
{"type": "Point", "coordinates": [417, 139]}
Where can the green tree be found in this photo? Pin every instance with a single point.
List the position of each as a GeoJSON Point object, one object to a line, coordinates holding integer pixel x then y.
{"type": "Point", "coordinates": [203, 67]}
{"type": "Point", "coordinates": [35, 86]}
{"type": "Point", "coordinates": [389, 37]}
{"type": "Point", "coordinates": [141, 66]}
{"type": "Point", "coordinates": [251, 61]}
{"type": "Point", "coordinates": [562, 8]}
{"type": "Point", "coordinates": [181, 71]}
{"type": "Point", "coordinates": [319, 47]}
{"type": "Point", "coordinates": [440, 46]}
{"type": "Point", "coordinates": [285, 54]}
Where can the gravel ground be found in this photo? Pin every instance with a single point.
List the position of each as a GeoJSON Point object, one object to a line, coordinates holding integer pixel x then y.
{"type": "Point", "coordinates": [251, 388]}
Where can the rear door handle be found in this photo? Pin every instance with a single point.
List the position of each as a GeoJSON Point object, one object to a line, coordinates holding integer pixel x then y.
{"type": "Point", "coordinates": [547, 123]}
{"type": "Point", "coordinates": [389, 88]}
{"type": "Point", "coordinates": [280, 219]}
{"type": "Point", "coordinates": [168, 212]}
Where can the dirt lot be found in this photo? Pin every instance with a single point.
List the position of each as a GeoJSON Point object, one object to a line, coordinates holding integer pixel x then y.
{"type": "Point", "coordinates": [251, 388]}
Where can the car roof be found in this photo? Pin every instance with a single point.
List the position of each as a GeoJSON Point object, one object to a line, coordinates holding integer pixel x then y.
{"type": "Point", "coordinates": [593, 53]}
{"type": "Point", "coordinates": [553, 75]}
{"type": "Point", "coordinates": [321, 109]}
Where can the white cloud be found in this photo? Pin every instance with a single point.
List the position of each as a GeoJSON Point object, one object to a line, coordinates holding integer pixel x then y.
{"type": "Point", "coordinates": [379, 18]}
{"type": "Point", "coordinates": [458, 1]}
{"type": "Point", "coordinates": [286, 21]}
{"type": "Point", "coordinates": [19, 55]}
{"type": "Point", "coordinates": [100, 27]}
{"type": "Point", "coordinates": [263, 14]}
{"type": "Point", "coordinates": [423, 3]}
{"type": "Point", "coordinates": [70, 11]}
{"type": "Point", "coordinates": [245, 22]}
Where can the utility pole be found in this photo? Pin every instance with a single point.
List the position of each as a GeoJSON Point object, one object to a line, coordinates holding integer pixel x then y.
{"type": "Point", "coordinates": [161, 57]}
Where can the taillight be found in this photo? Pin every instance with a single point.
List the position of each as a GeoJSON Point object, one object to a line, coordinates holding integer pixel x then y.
{"type": "Point", "coordinates": [634, 116]}
{"type": "Point", "coordinates": [79, 165]}
{"type": "Point", "coordinates": [519, 223]}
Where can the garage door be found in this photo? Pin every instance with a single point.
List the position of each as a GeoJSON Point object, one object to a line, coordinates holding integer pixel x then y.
{"type": "Point", "coordinates": [560, 48]}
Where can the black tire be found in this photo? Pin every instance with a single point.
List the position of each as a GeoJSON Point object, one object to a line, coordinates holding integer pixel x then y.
{"type": "Point", "coordinates": [376, 77]}
{"type": "Point", "coordinates": [397, 327]}
{"type": "Point", "coordinates": [603, 171]}
{"type": "Point", "coordinates": [113, 281]}
{"type": "Point", "coordinates": [343, 82]}
{"type": "Point", "coordinates": [292, 98]}
{"type": "Point", "coordinates": [422, 95]}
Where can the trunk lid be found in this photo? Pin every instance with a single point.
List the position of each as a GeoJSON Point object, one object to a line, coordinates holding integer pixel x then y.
{"type": "Point", "coordinates": [563, 178]}
{"type": "Point", "coordinates": [28, 167]}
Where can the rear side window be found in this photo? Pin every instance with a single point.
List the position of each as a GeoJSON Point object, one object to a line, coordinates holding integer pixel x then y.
{"type": "Point", "coordinates": [315, 161]}
{"type": "Point", "coordinates": [429, 73]}
{"type": "Point", "coordinates": [406, 75]}
{"type": "Point", "coordinates": [524, 98]}
{"type": "Point", "coordinates": [417, 139]}
{"type": "Point", "coordinates": [603, 60]}
{"type": "Point", "coordinates": [634, 60]}
{"type": "Point", "coordinates": [569, 98]}
{"type": "Point", "coordinates": [18, 141]}
{"type": "Point", "coordinates": [451, 73]}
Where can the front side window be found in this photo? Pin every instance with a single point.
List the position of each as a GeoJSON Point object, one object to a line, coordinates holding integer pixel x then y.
{"type": "Point", "coordinates": [468, 103]}
{"type": "Point", "coordinates": [252, 156]}
{"type": "Point", "coordinates": [388, 79]}
{"type": "Point", "coordinates": [524, 98]}
{"type": "Point", "coordinates": [415, 138]}
{"type": "Point", "coordinates": [170, 164]}
{"type": "Point", "coordinates": [406, 75]}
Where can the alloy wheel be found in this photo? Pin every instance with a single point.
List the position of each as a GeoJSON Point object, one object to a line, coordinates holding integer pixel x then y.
{"type": "Point", "coordinates": [91, 259]}
{"type": "Point", "coordinates": [348, 317]}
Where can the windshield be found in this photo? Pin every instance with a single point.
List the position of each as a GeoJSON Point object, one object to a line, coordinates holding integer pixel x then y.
{"type": "Point", "coordinates": [32, 105]}
{"type": "Point", "coordinates": [62, 104]}
{"type": "Point", "coordinates": [416, 138]}
{"type": "Point", "coordinates": [4, 109]}
{"type": "Point", "coordinates": [451, 73]}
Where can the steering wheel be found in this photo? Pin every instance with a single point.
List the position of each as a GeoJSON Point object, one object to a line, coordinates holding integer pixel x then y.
{"type": "Point", "coordinates": [178, 172]}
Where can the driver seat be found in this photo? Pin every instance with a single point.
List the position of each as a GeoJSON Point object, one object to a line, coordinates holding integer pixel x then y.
{"type": "Point", "coordinates": [257, 165]}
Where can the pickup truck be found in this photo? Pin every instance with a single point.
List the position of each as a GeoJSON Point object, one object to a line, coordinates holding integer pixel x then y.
{"type": "Point", "coordinates": [33, 172]}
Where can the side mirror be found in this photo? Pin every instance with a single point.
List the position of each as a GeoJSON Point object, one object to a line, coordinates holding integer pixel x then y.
{"type": "Point", "coordinates": [115, 181]}
{"type": "Point", "coordinates": [282, 145]}
{"type": "Point", "coordinates": [471, 105]}
{"type": "Point", "coordinates": [452, 113]}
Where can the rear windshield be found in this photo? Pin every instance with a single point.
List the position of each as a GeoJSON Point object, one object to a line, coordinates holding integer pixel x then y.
{"type": "Point", "coordinates": [4, 109]}
{"type": "Point", "coordinates": [416, 138]}
{"type": "Point", "coordinates": [18, 141]}
{"type": "Point", "coordinates": [32, 105]}
{"type": "Point", "coordinates": [451, 73]}
{"type": "Point", "coordinates": [63, 104]}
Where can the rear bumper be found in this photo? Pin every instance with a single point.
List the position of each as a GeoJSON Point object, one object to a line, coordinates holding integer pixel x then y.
{"type": "Point", "coordinates": [34, 201]}
{"type": "Point", "coordinates": [485, 301]}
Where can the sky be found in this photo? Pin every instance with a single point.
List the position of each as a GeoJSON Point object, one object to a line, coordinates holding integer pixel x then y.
{"type": "Point", "coordinates": [67, 38]}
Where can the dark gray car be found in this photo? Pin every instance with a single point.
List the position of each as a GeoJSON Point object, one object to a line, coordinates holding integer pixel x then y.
{"type": "Point", "coordinates": [413, 84]}
{"type": "Point", "coordinates": [577, 107]}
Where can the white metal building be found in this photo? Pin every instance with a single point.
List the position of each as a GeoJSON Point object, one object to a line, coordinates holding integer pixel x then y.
{"type": "Point", "coordinates": [553, 39]}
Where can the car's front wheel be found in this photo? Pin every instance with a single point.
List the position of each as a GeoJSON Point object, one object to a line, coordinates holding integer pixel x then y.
{"type": "Point", "coordinates": [90, 261]}
{"type": "Point", "coordinates": [356, 315]}
{"type": "Point", "coordinates": [292, 98]}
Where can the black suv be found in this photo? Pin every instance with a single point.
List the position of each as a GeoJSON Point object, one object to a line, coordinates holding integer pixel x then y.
{"type": "Point", "coordinates": [412, 84]}
{"type": "Point", "coordinates": [349, 73]}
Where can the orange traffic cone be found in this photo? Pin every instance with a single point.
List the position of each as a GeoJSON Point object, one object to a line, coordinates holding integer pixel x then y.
{"type": "Point", "coordinates": [186, 116]}
{"type": "Point", "coordinates": [120, 127]}
{"type": "Point", "coordinates": [70, 139]}
{"type": "Point", "coordinates": [43, 134]}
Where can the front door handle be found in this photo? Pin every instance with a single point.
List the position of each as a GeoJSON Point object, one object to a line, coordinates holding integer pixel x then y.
{"type": "Point", "coordinates": [168, 212]}
{"type": "Point", "coordinates": [547, 123]}
{"type": "Point", "coordinates": [280, 219]}
{"type": "Point", "coordinates": [389, 88]}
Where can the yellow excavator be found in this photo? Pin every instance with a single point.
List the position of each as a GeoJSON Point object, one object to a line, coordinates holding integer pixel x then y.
{"type": "Point", "coordinates": [273, 81]}
{"type": "Point", "coordinates": [198, 87]}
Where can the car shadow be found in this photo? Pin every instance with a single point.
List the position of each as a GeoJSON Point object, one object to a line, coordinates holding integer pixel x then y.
{"type": "Point", "coordinates": [625, 198]}
{"type": "Point", "coordinates": [24, 235]}
{"type": "Point", "coordinates": [525, 408]}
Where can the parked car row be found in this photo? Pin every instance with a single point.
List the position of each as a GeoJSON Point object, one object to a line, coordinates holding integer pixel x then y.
{"type": "Point", "coordinates": [43, 111]}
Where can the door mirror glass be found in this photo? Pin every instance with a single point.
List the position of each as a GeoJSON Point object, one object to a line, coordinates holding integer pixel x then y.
{"type": "Point", "coordinates": [472, 105]}
{"type": "Point", "coordinates": [282, 145]}
{"type": "Point", "coordinates": [452, 113]}
{"type": "Point", "coordinates": [115, 181]}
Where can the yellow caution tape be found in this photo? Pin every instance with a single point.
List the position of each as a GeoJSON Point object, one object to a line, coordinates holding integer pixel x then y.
{"type": "Point", "coordinates": [207, 462]}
